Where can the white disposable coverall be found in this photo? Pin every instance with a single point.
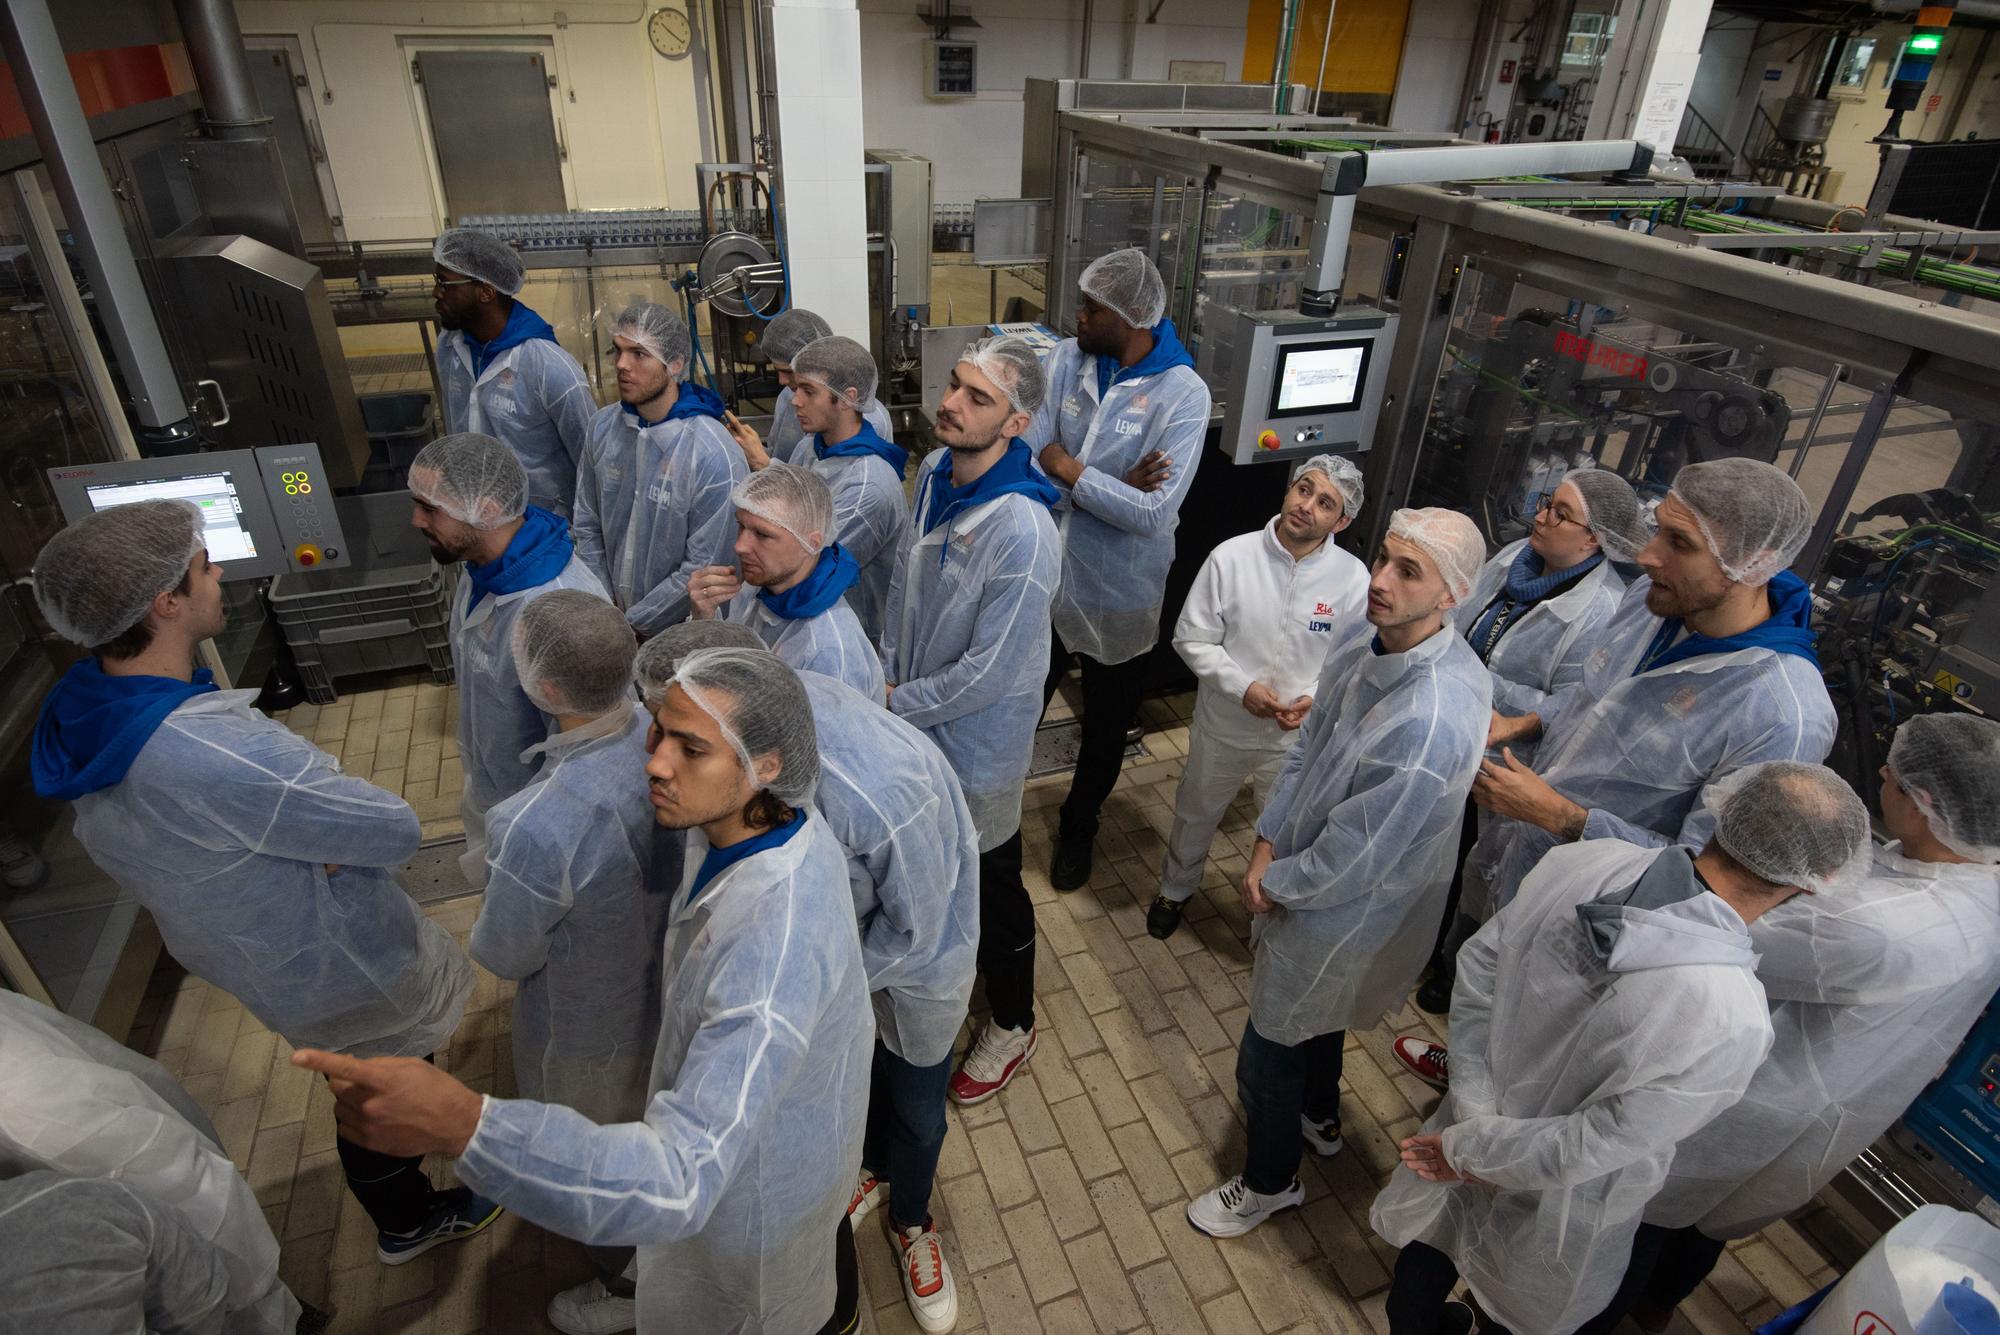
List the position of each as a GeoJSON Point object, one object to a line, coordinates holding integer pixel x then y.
{"type": "Point", "coordinates": [1872, 988]}
{"type": "Point", "coordinates": [1364, 825]}
{"type": "Point", "coordinates": [1579, 1059]}
{"type": "Point", "coordinates": [1117, 540]}
{"type": "Point", "coordinates": [75, 1102]}
{"type": "Point", "coordinates": [871, 519]}
{"type": "Point", "coordinates": [733, 1184]}
{"type": "Point", "coordinates": [832, 644]}
{"type": "Point", "coordinates": [534, 398]}
{"type": "Point", "coordinates": [652, 507]}
{"type": "Point", "coordinates": [1253, 614]}
{"type": "Point", "coordinates": [1544, 650]}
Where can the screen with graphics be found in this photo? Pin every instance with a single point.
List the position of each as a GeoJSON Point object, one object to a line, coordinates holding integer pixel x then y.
{"type": "Point", "coordinates": [213, 493]}
{"type": "Point", "coordinates": [1320, 377]}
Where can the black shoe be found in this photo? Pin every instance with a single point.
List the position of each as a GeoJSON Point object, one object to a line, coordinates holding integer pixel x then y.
{"type": "Point", "coordinates": [1456, 1318]}
{"type": "Point", "coordinates": [1070, 868]}
{"type": "Point", "coordinates": [1164, 917]}
{"type": "Point", "coordinates": [1435, 995]}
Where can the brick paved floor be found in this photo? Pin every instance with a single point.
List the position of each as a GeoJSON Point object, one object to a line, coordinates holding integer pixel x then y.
{"type": "Point", "coordinates": [1061, 1201]}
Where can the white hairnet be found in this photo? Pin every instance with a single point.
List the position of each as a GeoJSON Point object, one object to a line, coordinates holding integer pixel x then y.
{"type": "Point", "coordinates": [1452, 541]}
{"type": "Point", "coordinates": [1611, 511]}
{"type": "Point", "coordinates": [845, 367]}
{"type": "Point", "coordinates": [659, 331]}
{"type": "Point", "coordinates": [1949, 764]}
{"type": "Point", "coordinates": [762, 708]}
{"type": "Point", "coordinates": [480, 255]}
{"type": "Point", "coordinates": [1754, 517]}
{"type": "Point", "coordinates": [1343, 474]}
{"type": "Point", "coordinates": [1791, 823]}
{"type": "Point", "coordinates": [478, 479]}
{"type": "Point", "coordinates": [789, 331]}
{"type": "Point", "coordinates": [1126, 284]}
{"type": "Point", "coordinates": [1013, 365]}
{"type": "Point", "coordinates": [653, 668]}
{"type": "Point", "coordinates": [796, 499]}
{"type": "Point", "coordinates": [573, 651]}
{"type": "Point", "coordinates": [97, 579]}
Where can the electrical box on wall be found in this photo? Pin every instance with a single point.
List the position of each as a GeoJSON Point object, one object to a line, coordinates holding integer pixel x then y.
{"type": "Point", "coordinates": [951, 67]}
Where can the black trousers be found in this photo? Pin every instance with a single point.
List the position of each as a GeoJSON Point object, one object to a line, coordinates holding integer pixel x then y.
{"type": "Point", "coordinates": [1007, 936]}
{"type": "Point", "coordinates": [396, 1192]}
{"type": "Point", "coordinates": [1111, 695]}
{"type": "Point", "coordinates": [846, 1283]}
{"type": "Point", "coordinates": [1425, 1276]}
{"type": "Point", "coordinates": [1682, 1259]}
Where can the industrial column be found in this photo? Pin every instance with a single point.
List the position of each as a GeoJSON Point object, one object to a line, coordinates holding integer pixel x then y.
{"type": "Point", "coordinates": [816, 78]}
{"type": "Point", "coordinates": [1648, 72]}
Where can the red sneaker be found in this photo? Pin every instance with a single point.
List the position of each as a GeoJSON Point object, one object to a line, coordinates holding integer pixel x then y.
{"type": "Point", "coordinates": [1427, 1061]}
{"type": "Point", "coordinates": [991, 1064]}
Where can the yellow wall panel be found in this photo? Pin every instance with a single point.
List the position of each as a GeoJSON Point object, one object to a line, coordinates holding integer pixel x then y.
{"type": "Point", "coordinates": [1362, 56]}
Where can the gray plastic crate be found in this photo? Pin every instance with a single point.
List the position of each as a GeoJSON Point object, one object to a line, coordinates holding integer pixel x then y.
{"type": "Point", "coordinates": [389, 609]}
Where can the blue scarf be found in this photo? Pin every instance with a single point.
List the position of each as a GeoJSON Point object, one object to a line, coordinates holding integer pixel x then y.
{"type": "Point", "coordinates": [93, 726]}
{"type": "Point", "coordinates": [1529, 581]}
{"type": "Point", "coordinates": [860, 445]}
{"type": "Point", "coordinates": [1014, 474]}
{"type": "Point", "coordinates": [1168, 352]}
{"type": "Point", "coordinates": [720, 860]}
{"type": "Point", "coordinates": [1787, 631]}
{"type": "Point", "coordinates": [832, 575]}
{"type": "Point", "coordinates": [537, 555]}
{"type": "Point", "coordinates": [523, 326]}
{"type": "Point", "coordinates": [692, 401]}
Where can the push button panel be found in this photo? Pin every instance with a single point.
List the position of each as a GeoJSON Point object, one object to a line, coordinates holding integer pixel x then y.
{"type": "Point", "coordinates": [301, 500]}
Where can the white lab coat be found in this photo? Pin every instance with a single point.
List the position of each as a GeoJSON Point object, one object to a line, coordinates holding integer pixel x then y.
{"type": "Point", "coordinates": [1587, 1040]}
{"type": "Point", "coordinates": [1872, 988]}
{"type": "Point", "coordinates": [534, 398]}
{"type": "Point", "coordinates": [832, 644]}
{"type": "Point", "coordinates": [1544, 651]}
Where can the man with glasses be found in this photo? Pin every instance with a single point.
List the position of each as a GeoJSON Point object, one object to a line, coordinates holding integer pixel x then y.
{"type": "Point", "coordinates": [504, 374]}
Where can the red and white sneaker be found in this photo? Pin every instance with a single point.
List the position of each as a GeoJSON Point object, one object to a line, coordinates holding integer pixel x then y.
{"type": "Point", "coordinates": [991, 1063]}
{"type": "Point", "coordinates": [1427, 1061]}
{"type": "Point", "coordinates": [927, 1282]}
{"type": "Point", "coordinates": [869, 1192]}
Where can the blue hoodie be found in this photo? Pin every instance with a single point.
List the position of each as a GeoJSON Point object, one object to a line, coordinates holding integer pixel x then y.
{"type": "Point", "coordinates": [692, 401]}
{"type": "Point", "coordinates": [1788, 630]}
{"type": "Point", "coordinates": [860, 445]}
{"type": "Point", "coordinates": [1167, 353]}
{"type": "Point", "coordinates": [93, 726]}
{"type": "Point", "coordinates": [523, 326]}
{"type": "Point", "coordinates": [1014, 474]}
{"type": "Point", "coordinates": [832, 576]}
{"type": "Point", "coordinates": [537, 555]}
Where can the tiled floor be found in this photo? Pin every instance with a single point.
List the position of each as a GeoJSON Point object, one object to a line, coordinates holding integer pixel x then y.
{"type": "Point", "coordinates": [1061, 1200]}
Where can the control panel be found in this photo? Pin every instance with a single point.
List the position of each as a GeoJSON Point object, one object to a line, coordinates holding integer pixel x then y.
{"type": "Point", "coordinates": [267, 511]}
{"type": "Point", "coordinates": [1958, 1115]}
{"type": "Point", "coordinates": [1299, 385]}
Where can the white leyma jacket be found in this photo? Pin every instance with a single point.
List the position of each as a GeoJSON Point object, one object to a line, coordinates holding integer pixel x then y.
{"type": "Point", "coordinates": [534, 398]}
{"type": "Point", "coordinates": [1255, 613]}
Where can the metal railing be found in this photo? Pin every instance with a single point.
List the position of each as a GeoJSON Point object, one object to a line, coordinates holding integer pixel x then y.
{"type": "Point", "coordinates": [1704, 146]}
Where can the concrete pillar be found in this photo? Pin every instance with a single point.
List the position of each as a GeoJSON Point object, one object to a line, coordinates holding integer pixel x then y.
{"type": "Point", "coordinates": [1649, 71]}
{"type": "Point", "coordinates": [816, 74]}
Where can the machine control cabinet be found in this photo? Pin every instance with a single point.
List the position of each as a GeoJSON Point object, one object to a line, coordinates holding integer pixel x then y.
{"type": "Point", "coordinates": [267, 511]}
{"type": "Point", "coordinates": [1958, 1116]}
{"type": "Point", "coordinates": [1299, 385]}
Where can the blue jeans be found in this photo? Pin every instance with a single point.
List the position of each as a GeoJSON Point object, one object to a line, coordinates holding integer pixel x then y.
{"type": "Point", "coordinates": [1278, 1083]}
{"type": "Point", "coordinates": [906, 1127]}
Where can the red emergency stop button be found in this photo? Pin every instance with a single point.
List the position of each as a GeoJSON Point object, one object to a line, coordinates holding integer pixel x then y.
{"type": "Point", "coordinates": [1267, 440]}
{"type": "Point", "coordinates": [305, 554]}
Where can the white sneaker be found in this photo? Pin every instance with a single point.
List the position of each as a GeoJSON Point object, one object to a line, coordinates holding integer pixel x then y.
{"type": "Point", "coordinates": [1324, 1137]}
{"type": "Point", "coordinates": [991, 1063]}
{"type": "Point", "coordinates": [1232, 1209]}
{"type": "Point", "coordinates": [927, 1282]}
{"type": "Point", "coordinates": [21, 867]}
{"type": "Point", "coordinates": [592, 1309]}
{"type": "Point", "coordinates": [869, 1192]}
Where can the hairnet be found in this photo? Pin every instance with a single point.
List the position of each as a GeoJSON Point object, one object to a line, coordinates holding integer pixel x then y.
{"type": "Point", "coordinates": [480, 255]}
{"type": "Point", "coordinates": [845, 367]}
{"type": "Point", "coordinates": [473, 472]}
{"type": "Point", "coordinates": [762, 708]}
{"type": "Point", "coordinates": [1754, 518]}
{"type": "Point", "coordinates": [1452, 541]}
{"type": "Point", "coordinates": [573, 651]}
{"type": "Point", "coordinates": [1126, 284]}
{"type": "Point", "coordinates": [659, 332]}
{"type": "Point", "coordinates": [789, 331]}
{"type": "Point", "coordinates": [1791, 823]}
{"type": "Point", "coordinates": [1343, 474]}
{"type": "Point", "coordinates": [1949, 764]}
{"type": "Point", "coordinates": [653, 668]}
{"type": "Point", "coordinates": [1012, 364]}
{"type": "Point", "coordinates": [1611, 512]}
{"type": "Point", "coordinates": [796, 499]}
{"type": "Point", "coordinates": [97, 579]}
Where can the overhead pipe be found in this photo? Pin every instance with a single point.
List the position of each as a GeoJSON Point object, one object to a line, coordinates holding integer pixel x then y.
{"type": "Point", "coordinates": [214, 41]}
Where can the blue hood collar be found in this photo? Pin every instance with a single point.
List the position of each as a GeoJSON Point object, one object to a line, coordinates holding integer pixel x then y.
{"type": "Point", "coordinates": [861, 444]}
{"type": "Point", "coordinates": [1014, 474]}
{"type": "Point", "coordinates": [523, 326]}
{"type": "Point", "coordinates": [692, 401]}
{"type": "Point", "coordinates": [1168, 352]}
{"type": "Point", "coordinates": [537, 555]}
{"type": "Point", "coordinates": [1788, 630]}
{"type": "Point", "coordinates": [94, 725]}
{"type": "Point", "coordinates": [832, 575]}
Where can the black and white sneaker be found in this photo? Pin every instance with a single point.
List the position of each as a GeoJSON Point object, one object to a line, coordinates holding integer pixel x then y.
{"type": "Point", "coordinates": [1324, 1137]}
{"type": "Point", "coordinates": [458, 1216]}
{"type": "Point", "coordinates": [1163, 918]}
{"type": "Point", "coordinates": [1232, 1209]}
